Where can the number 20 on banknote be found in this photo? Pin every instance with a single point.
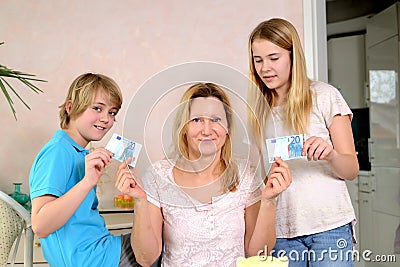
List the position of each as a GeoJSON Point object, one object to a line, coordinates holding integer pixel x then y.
{"type": "Point", "coordinates": [285, 147]}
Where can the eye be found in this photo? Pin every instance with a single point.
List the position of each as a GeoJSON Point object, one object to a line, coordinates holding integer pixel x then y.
{"type": "Point", "coordinates": [97, 108]}
{"type": "Point", "coordinates": [196, 119]}
{"type": "Point", "coordinates": [216, 120]}
{"type": "Point", "coordinates": [274, 58]}
{"type": "Point", "coordinates": [113, 113]}
{"type": "Point", "coordinates": [257, 60]}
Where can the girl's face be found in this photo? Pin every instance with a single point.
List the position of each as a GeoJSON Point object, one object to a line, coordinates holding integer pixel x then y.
{"type": "Point", "coordinates": [94, 122]}
{"type": "Point", "coordinates": [207, 127]}
{"type": "Point", "coordinates": [272, 64]}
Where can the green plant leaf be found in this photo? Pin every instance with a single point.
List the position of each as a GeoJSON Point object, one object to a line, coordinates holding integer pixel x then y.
{"type": "Point", "coordinates": [24, 78]}
{"type": "Point", "coordinates": [8, 98]}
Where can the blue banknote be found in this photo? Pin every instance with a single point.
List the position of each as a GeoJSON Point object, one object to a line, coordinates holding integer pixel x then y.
{"type": "Point", "coordinates": [285, 147]}
{"type": "Point", "coordinates": [123, 148]}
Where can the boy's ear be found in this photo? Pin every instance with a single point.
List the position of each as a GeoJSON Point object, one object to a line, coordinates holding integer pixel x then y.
{"type": "Point", "coordinates": [68, 105]}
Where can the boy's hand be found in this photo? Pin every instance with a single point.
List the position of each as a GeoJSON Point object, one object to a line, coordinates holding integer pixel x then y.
{"type": "Point", "coordinates": [95, 163]}
{"type": "Point", "coordinates": [128, 181]}
{"type": "Point", "coordinates": [278, 181]}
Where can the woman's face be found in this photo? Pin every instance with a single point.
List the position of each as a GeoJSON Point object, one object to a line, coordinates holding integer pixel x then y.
{"type": "Point", "coordinates": [272, 64]}
{"type": "Point", "coordinates": [207, 127]}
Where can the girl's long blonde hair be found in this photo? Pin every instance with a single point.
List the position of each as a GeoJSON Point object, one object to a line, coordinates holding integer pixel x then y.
{"type": "Point", "coordinates": [299, 99]}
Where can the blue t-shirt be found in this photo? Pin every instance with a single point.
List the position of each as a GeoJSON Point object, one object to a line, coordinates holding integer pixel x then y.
{"type": "Point", "coordinates": [84, 239]}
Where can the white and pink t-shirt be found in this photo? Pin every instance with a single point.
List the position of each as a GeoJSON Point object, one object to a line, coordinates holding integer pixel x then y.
{"type": "Point", "coordinates": [317, 200]}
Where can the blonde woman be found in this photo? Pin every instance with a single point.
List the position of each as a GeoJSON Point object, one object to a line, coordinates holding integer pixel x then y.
{"type": "Point", "coordinates": [202, 207]}
{"type": "Point", "coordinates": [315, 214]}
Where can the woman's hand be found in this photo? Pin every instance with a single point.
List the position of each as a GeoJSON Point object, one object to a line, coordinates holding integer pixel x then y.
{"type": "Point", "coordinates": [128, 181]}
{"type": "Point", "coordinates": [316, 148]}
{"type": "Point", "coordinates": [278, 180]}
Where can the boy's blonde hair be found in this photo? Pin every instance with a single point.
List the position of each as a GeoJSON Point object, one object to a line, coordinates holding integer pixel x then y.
{"type": "Point", "coordinates": [299, 100]}
{"type": "Point", "coordinates": [82, 92]}
{"type": "Point", "coordinates": [230, 175]}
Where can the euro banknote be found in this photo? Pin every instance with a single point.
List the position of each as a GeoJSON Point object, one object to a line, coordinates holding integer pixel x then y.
{"type": "Point", "coordinates": [285, 147]}
{"type": "Point", "coordinates": [123, 148]}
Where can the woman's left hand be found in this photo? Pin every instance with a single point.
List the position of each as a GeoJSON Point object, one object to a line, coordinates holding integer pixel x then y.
{"type": "Point", "coordinates": [316, 148]}
{"type": "Point", "coordinates": [278, 181]}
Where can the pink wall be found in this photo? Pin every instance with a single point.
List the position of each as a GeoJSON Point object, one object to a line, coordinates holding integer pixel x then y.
{"type": "Point", "coordinates": [129, 40]}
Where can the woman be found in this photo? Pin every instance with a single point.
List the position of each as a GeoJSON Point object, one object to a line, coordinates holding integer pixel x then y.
{"type": "Point", "coordinates": [315, 213]}
{"type": "Point", "coordinates": [202, 207]}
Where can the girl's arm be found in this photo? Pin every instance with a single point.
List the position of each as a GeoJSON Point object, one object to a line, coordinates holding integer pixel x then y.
{"type": "Point", "coordinates": [260, 217]}
{"type": "Point", "coordinates": [49, 213]}
{"type": "Point", "coordinates": [342, 156]}
{"type": "Point", "coordinates": [146, 237]}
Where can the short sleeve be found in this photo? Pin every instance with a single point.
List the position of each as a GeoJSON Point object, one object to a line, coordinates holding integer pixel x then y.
{"type": "Point", "coordinates": [251, 183]}
{"type": "Point", "coordinates": [331, 102]}
{"type": "Point", "coordinates": [151, 186]}
{"type": "Point", "coordinates": [51, 171]}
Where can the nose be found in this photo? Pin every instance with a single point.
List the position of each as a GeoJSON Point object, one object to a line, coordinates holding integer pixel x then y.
{"type": "Point", "coordinates": [265, 66]}
{"type": "Point", "coordinates": [104, 117]}
{"type": "Point", "coordinates": [207, 128]}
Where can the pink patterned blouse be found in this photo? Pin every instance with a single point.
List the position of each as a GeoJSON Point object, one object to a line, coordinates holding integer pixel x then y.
{"type": "Point", "coordinates": [197, 234]}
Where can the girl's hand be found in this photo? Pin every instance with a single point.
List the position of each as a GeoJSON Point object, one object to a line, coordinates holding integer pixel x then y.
{"type": "Point", "coordinates": [278, 180]}
{"type": "Point", "coordinates": [95, 163]}
{"type": "Point", "coordinates": [317, 148]}
{"type": "Point", "coordinates": [127, 181]}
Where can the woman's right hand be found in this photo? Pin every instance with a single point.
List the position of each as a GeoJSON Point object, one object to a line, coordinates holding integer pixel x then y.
{"type": "Point", "coordinates": [279, 179]}
{"type": "Point", "coordinates": [128, 181]}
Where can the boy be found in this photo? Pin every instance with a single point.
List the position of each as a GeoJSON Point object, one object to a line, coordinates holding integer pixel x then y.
{"type": "Point", "coordinates": [64, 176]}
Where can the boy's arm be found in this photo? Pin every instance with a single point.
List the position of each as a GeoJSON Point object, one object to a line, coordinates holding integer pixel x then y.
{"type": "Point", "coordinates": [49, 213]}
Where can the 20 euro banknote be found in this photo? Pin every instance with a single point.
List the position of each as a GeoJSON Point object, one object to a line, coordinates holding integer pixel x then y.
{"type": "Point", "coordinates": [285, 147]}
{"type": "Point", "coordinates": [123, 148]}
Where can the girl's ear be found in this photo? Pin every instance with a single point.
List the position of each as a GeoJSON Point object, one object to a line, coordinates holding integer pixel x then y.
{"type": "Point", "coordinates": [68, 105]}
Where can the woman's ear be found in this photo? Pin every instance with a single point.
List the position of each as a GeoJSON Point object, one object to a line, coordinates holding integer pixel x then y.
{"type": "Point", "coordinates": [68, 105]}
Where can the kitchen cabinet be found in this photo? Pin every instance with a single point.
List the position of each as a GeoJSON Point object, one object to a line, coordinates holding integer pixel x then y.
{"type": "Point", "coordinates": [346, 68]}
{"type": "Point", "coordinates": [380, 193]}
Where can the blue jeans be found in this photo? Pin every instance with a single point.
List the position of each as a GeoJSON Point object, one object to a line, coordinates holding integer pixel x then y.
{"type": "Point", "coordinates": [330, 248]}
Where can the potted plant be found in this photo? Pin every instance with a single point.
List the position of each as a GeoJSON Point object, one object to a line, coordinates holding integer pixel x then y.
{"type": "Point", "coordinates": [25, 78]}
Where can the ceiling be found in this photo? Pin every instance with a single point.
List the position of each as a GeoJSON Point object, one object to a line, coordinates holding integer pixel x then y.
{"type": "Point", "coordinates": [341, 10]}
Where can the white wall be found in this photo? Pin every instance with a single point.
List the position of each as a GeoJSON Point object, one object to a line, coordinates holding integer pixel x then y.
{"type": "Point", "coordinates": [129, 40]}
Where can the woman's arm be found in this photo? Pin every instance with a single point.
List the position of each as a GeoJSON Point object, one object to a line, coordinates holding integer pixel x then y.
{"type": "Point", "coordinates": [342, 156]}
{"type": "Point", "coordinates": [260, 217]}
{"type": "Point", "coordinates": [260, 228]}
{"type": "Point", "coordinates": [49, 213]}
{"type": "Point", "coordinates": [146, 238]}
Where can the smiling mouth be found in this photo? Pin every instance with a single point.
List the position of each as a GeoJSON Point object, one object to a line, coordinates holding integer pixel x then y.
{"type": "Point", "coordinates": [99, 127]}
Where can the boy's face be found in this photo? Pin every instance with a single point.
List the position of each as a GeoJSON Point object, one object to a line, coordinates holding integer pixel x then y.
{"type": "Point", "coordinates": [94, 122]}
